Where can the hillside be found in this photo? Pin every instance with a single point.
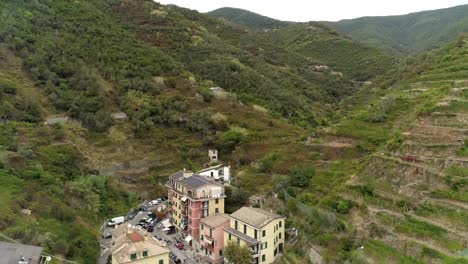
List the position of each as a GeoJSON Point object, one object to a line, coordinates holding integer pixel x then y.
{"type": "Point", "coordinates": [86, 62]}
{"type": "Point", "coordinates": [101, 100]}
{"type": "Point", "coordinates": [325, 46]}
{"type": "Point", "coordinates": [410, 33]}
{"type": "Point", "coordinates": [410, 191]}
{"type": "Point", "coordinates": [318, 43]}
{"type": "Point", "coordinates": [248, 19]}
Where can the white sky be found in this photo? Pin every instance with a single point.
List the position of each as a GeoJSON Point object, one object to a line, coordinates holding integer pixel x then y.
{"type": "Point", "coordinates": [319, 10]}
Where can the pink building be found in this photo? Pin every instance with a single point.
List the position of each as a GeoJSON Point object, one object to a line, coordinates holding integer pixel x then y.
{"type": "Point", "coordinates": [191, 198]}
{"type": "Point", "coordinates": [212, 238]}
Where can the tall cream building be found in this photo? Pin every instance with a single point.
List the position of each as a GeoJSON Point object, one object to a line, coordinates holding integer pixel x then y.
{"type": "Point", "coordinates": [259, 230]}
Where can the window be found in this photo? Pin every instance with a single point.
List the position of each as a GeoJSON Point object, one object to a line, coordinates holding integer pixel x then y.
{"type": "Point", "coordinates": [217, 201]}
{"type": "Point", "coordinates": [202, 227]}
{"type": "Point", "coordinates": [263, 233]}
{"type": "Point", "coordinates": [280, 223]}
{"type": "Point", "coordinates": [229, 236]}
{"type": "Point", "coordinates": [133, 256]}
{"type": "Point", "coordinates": [235, 225]}
{"type": "Point", "coordinates": [263, 258]}
{"type": "Point", "coordinates": [245, 229]}
{"type": "Point", "coordinates": [280, 235]}
{"type": "Point", "coordinates": [161, 261]}
{"type": "Point", "coordinates": [220, 252]}
{"type": "Point", "coordinates": [201, 238]}
{"type": "Point", "coordinates": [145, 253]}
{"type": "Point", "coordinates": [255, 234]}
{"type": "Point", "coordinates": [211, 232]}
{"type": "Point", "coordinates": [216, 210]}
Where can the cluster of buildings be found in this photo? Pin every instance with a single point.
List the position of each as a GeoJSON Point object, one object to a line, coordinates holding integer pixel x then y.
{"type": "Point", "coordinates": [196, 201]}
{"type": "Point", "coordinates": [196, 206]}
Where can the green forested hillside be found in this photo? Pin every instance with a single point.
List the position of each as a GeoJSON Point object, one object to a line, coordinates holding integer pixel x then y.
{"type": "Point", "coordinates": [410, 33]}
{"type": "Point", "coordinates": [324, 46]}
{"type": "Point", "coordinates": [318, 43]}
{"type": "Point", "coordinates": [90, 59]}
{"type": "Point", "coordinates": [248, 19]}
{"type": "Point", "coordinates": [312, 135]}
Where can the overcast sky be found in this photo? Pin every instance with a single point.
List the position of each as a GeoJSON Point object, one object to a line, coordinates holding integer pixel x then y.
{"type": "Point", "coordinates": [329, 10]}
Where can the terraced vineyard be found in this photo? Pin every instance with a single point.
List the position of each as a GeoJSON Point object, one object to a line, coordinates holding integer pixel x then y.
{"type": "Point", "coordinates": [412, 194]}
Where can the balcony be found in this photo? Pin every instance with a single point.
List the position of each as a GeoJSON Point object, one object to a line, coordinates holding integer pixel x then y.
{"type": "Point", "coordinates": [208, 242]}
{"type": "Point", "coordinates": [254, 251]}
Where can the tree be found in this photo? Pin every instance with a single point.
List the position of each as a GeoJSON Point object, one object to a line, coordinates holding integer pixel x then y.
{"type": "Point", "coordinates": [237, 254]}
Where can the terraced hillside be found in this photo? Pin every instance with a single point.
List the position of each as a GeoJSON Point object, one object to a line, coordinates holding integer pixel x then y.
{"type": "Point", "coordinates": [412, 194]}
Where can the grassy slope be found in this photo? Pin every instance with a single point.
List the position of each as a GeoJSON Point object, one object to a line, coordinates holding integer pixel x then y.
{"type": "Point", "coordinates": [408, 126]}
{"type": "Point", "coordinates": [410, 33]}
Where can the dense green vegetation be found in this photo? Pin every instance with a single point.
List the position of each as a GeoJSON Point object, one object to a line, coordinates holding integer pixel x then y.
{"type": "Point", "coordinates": [318, 43]}
{"type": "Point", "coordinates": [248, 19]}
{"type": "Point", "coordinates": [410, 33]}
{"type": "Point", "coordinates": [272, 122]}
{"type": "Point", "coordinates": [50, 181]}
{"type": "Point", "coordinates": [256, 69]}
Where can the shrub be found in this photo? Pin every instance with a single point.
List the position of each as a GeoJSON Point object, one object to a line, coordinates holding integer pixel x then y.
{"type": "Point", "coordinates": [379, 113]}
{"type": "Point", "coordinates": [301, 175]}
{"type": "Point", "coordinates": [229, 140]}
{"type": "Point", "coordinates": [266, 164]}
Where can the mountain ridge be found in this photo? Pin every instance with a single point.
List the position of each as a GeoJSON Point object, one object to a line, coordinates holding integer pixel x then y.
{"type": "Point", "coordinates": [396, 33]}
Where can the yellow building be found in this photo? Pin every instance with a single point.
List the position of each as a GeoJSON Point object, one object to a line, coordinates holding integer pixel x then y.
{"type": "Point", "coordinates": [259, 230]}
{"type": "Point", "coordinates": [133, 246]}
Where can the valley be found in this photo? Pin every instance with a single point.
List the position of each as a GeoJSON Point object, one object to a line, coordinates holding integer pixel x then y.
{"type": "Point", "coordinates": [362, 148]}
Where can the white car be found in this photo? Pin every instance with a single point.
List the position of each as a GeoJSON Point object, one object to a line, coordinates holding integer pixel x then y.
{"type": "Point", "coordinates": [153, 203]}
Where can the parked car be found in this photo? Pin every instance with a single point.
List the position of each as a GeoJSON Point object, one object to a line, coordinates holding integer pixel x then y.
{"type": "Point", "coordinates": [132, 214]}
{"type": "Point", "coordinates": [143, 224]}
{"type": "Point", "coordinates": [152, 216]}
{"type": "Point", "coordinates": [107, 235]}
{"type": "Point", "coordinates": [153, 203]}
{"type": "Point", "coordinates": [116, 221]}
{"type": "Point", "coordinates": [180, 245]}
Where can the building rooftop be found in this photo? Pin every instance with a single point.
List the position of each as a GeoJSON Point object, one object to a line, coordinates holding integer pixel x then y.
{"type": "Point", "coordinates": [197, 181]}
{"type": "Point", "coordinates": [135, 237]}
{"type": "Point", "coordinates": [255, 217]}
{"type": "Point", "coordinates": [128, 240]}
{"type": "Point", "coordinates": [11, 253]}
{"type": "Point", "coordinates": [215, 220]}
{"type": "Point", "coordinates": [246, 238]}
{"type": "Point", "coordinates": [176, 176]}
{"type": "Point", "coordinates": [211, 168]}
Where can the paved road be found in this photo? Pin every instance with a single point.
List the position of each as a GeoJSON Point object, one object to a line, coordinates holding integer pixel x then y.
{"type": "Point", "coordinates": [186, 254]}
